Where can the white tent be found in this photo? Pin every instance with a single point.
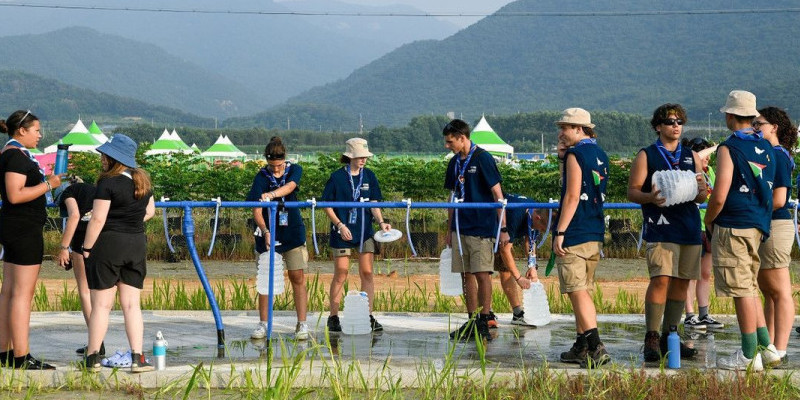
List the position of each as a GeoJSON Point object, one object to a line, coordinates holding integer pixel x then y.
{"type": "Point", "coordinates": [223, 148]}
{"type": "Point", "coordinates": [484, 136]}
{"type": "Point", "coordinates": [79, 138]}
{"type": "Point", "coordinates": [166, 144]}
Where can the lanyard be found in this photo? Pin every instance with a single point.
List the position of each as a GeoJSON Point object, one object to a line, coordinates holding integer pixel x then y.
{"type": "Point", "coordinates": [273, 182]}
{"type": "Point", "coordinates": [460, 170]}
{"type": "Point", "coordinates": [786, 153]}
{"type": "Point", "coordinates": [749, 134]}
{"type": "Point", "coordinates": [532, 234]}
{"type": "Point", "coordinates": [672, 158]}
{"type": "Point", "coordinates": [356, 189]}
{"type": "Point", "coordinates": [15, 143]}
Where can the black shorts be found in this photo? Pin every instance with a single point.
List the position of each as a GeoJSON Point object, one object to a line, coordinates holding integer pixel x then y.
{"type": "Point", "coordinates": [77, 241]}
{"type": "Point", "coordinates": [117, 257]}
{"type": "Point", "coordinates": [23, 242]}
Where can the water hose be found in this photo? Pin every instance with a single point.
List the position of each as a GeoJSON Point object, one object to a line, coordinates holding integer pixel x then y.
{"type": "Point", "coordinates": [166, 227]}
{"type": "Point", "coordinates": [408, 226]}
{"type": "Point", "coordinates": [313, 202]}
{"type": "Point", "coordinates": [504, 202]}
{"type": "Point", "coordinates": [547, 228]}
{"type": "Point", "coordinates": [218, 200]}
{"type": "Point", "coordinates": [361, 239]}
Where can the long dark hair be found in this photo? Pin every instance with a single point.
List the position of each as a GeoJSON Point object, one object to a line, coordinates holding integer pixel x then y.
{"type": "Point", "coordinates": [787, 132]}
{"type": "Point", "coordinates": [17, 119]}
{"type": "Point", "coordinates": [275, 150]}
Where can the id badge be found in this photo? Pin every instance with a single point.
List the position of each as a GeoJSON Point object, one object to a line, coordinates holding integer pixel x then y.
{"type": "Point", "coordinates": [352, 216]}
{"type": "Point", "coordinates": [531, 261]}
{"type": "Point", "coordinates": [283, 218]}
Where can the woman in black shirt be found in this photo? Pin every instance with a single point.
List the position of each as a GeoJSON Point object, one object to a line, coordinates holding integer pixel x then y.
{"type": "Point", "coordinates": [22, 188]}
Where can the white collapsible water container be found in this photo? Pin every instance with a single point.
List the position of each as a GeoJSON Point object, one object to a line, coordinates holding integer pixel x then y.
{"type": "Point", "coordinates": [534, 301]}
{"type": "Point", "coordinates": [676, 186]}
{"type": "Point", "coordinates": [355, 317]}
{"type": "Point", "coordinates": [449, 282]}
{"type": "Point", "coordinates": [262, 277]}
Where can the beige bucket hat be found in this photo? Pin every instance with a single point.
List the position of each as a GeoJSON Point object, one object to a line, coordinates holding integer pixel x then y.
{"type": "Point", "coordinates": [576, 116]}
{"type": "Point", "coordinates": [741, 103]}
{"type": "Point", "coordinates": [357, 148]}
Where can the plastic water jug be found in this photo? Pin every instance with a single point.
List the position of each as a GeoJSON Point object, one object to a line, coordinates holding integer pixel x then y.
{"type": "Point", "coordinates": [160, 352]}
{"type": "Point", "coordinates": [262, 278]}
{"type": "Point", "coordinates": [449, 282]}
{"type": "Point", "coordinates": [673, 348]}
{"type": "Point", "coordinates": [534, 301]}
{"type": "Point", "coordinates": [355, 317]}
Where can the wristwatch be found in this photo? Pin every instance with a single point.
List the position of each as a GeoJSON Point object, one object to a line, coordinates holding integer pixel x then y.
{"type": "Point", "coordinates": [504, 229]}
{"type": "Point", "coordinates": [559, 233]}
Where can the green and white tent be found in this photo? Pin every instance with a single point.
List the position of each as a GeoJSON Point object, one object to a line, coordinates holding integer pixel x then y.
{"type": "Point", "coordinates": [80, 139]}
{"type": "Point", "coordinates": [167, 144]}
{"type": "Point", "coordinates": [180, 141]}
{"type": "Point", "coordinates": [484, 136]}
{"type": "Point", "coordinates": [223, 149]}
{"type": "Point", "coordinates": [97, 133]}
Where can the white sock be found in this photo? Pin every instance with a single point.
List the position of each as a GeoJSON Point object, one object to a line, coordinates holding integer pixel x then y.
{"type": "Point", "coordinates": [264, 323]}
{"type": "Point", "coordinates": [782, 353]}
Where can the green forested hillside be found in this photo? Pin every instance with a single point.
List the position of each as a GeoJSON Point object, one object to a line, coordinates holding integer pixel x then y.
{"type": "Point", "coordinates": [515, 61]}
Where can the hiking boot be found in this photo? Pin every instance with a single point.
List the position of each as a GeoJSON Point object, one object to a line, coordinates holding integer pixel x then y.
{"type": "Point", "coordinates": [686, 351]}
{"type": "Point", "coordinates": [711, 323]}
{"type": "Point", "coordinates": [82, 350]}
{"type": "Point", "coordinates": [651, 349]}
{"type": "Point", "coordinates": [575, 355]}
{"type": "Point", "coordinates": [465, 332]}
{"type": "Point", "coordinates": [770, 357]}
{"type": "Point", "coordinates": [596, 358]}
{"type": "Point", "coordinates": [333, 324]}
{"type": "Point", "coordinates": [301, 331]}
{"type": "Point", "coordinates": [738, 362]}
{"type": "Point", "coordinates": [693, 323]}
{"type": "Point", "coordinates": [91, 363]}
{"type": "Point", "coordinates": [260, 332]}
{"type": "Point", "coordinates": [482, 324]}
{"type": "Point", "coordinates": [519, 319]}
{"type": "Point", "coordinates": [140, 364]}
{"type": "Point", "coordinates": [29, 363]}
{"type": "Point", "coordinates": [376, 327]}
{"type": "Point", "coordinates": [492, 321]}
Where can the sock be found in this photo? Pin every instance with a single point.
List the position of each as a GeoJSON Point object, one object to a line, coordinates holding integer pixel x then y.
{"type": "Point", "coordinates": [517, 310]}
{"type": "Point", "coordinates": [749, 344]}
{"type": "Point", "coordinates": [264, 323]}
{"type": "Point", "coordinates": [673, 311]}
{"type": "Point", "coordinates": [689, 315]}
{"type": "Point", "coordinates": [763, 336]}
{"type": "Point", "coordinates": [19, 361]}
{"type": "Point", "coordinates": [703, 311]}
{"type": "Point", "coordinates": [653, 315]}
{"type": "Point", "coordinates": [592, 338]}
{"type": "Point", "coordinates": [581, 341]}
{"type": "Point", "coordinates": [782, 353]}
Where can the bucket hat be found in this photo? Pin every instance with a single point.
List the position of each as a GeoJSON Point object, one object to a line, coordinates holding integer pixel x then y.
{"type": "Point", "coordinates": [741, 103]}
{"type": "Point", "coordinates": [576, 116]}
{"type": "Point", "coordinates": [120, 148]}
{"type": "Point", "coordinates": [357, 148]}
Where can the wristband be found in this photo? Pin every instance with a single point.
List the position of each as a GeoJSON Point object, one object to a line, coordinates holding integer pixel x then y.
{"type": "Point", "coordinates": [64, 247]}
{"type": "Point", "coordinates": [517, 278]}
{"type": "Point", "coordinates": [559, 233]}
{"type": "Point", "coordinates": [504, 229]}
{"type": "Point", "coordinates": [86, 250]}
{"type": "Point", "coordinates": [49, 188]}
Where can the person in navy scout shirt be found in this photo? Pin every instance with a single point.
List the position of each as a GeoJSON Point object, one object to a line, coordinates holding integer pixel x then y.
{"type": "Point", "coordinates": [774, 278]}
{"type": "Point", "coordinates": [674, 242]}
{"type": "Point", "coordinates": [353, 182]}
{"type": "Point", "coordinates": [580, 229]}
{"type": "Point", "coordinates": [280, 181]}
{"type": "Point", "coordinates": [738, 216]}
{"type": "Point", "coordinates": [472, 177]}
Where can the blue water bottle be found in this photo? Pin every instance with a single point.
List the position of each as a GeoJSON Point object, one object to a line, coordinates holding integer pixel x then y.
{"type": "Point", "coordinates": [673, 348]}
{"type": "Point", "coordinates": [62, 159]}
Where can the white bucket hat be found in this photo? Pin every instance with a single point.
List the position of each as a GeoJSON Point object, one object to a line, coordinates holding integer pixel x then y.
{"type": "Point", "coordinates": [357, 148]}
{"type": "Point", "coordinates": [576, 116]}
{"type": "Point", "coordinates": [741, 103]}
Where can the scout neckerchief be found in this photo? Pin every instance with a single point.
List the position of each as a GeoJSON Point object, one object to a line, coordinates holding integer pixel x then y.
{"type": "Point", "coordinates": [271, 177]}
{"type": "Point", "coordinates": [586, 141]}
{"type": "Point", "coordinates": [749, 134]}
{"type": "Point", "coordinates": [786, 153]}
{"type": "Point", "coordinates": [671, 158]}
{"type": "Point", "coordinates": [460, 170]}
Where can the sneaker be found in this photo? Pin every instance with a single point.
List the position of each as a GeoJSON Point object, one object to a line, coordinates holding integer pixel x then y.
{"type": "Point", "coordinates": [82, 350]}
{"type": "Point", "coordinates": [333, 324]}
{"type": "Point", "coordinates": [686, 351]}
{"type": "Point", "coordinates": [140, 364]}
{"type": "Point", "coordinates": [492, 321]}
{"type": "Point", "coordinates": [6, 358]}
{"type": "Point", "coordinates": [575, 355]}
{"type": "Point", "coordinates": [692, 322]}
{"type": "Point", "coordinates": [711, 323]}
{"type": "Point", "coordinates": [376, 327]}
{"type": "Point", "coordinates": [482, 323]}
{"type": "Point", "coordinates": [596, 358]}
{"type": "Point", "coordinates": [784, 364]}
{"type": "Point", "coordinates": [260, 332]}
{"type": "Point", "coordinates": [770, 357]}
{"type": "Point", "coordinates": [738, 362]}
{"type": "Point", "coordinates": [301, 331]}
{"type": "Point", "coordinates": [465, 332]}
{"type": "Point", "coordinates": [30, 363]}
{"type": "Point", "coordinates": [652, 349]}
{"type": "Point", "coordinates": [519, 319]}
{"type": "Point", "coordinates": [91, 363]}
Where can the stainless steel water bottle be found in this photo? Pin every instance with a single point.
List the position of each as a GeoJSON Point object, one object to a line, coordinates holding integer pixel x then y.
{"type": "Point", "coordinates": [160, 352]}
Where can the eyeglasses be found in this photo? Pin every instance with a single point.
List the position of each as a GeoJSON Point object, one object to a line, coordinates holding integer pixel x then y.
{"type": "Point", "coordinates": [757, 124]}
{"type": "Point", "coordinates": [672, 121]}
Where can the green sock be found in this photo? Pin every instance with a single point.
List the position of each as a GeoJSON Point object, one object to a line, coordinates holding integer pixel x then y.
{"type": "Point", "coordinates": [749, 343]}
{"type": "Point", "coordinates": [673, 311]}
{"type": "Point", "coordinates": [653, 315]}
{"type": "Point", "coordinates": [763, 336]}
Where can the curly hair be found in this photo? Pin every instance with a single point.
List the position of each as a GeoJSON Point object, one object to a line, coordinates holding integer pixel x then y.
{"type": "Point", "coordinates": [787, 132]}
{"type": "Point", "coordinates": [664, 111]}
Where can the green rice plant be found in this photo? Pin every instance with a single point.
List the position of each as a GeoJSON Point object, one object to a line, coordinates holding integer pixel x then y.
{"type": "Point", "coordinates": [68, 299]}
{"type": "Point", "coordinates": [242, 295]}
{"type": "Point", "coordinates": [41, 302]}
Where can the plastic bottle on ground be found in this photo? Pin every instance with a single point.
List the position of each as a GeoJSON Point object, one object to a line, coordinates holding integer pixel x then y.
{"type": "Point", "coordinates": [449, 282]}
{"type": "Point", "coordinates": [355, 317]}
{"type": "Point", "coordinates": [262, 277]}
{"type": "Point", "coordinates": [534, 302]}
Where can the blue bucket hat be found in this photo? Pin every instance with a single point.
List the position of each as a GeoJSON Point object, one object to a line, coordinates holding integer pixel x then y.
{"type": "Point", "coordinates": [120, 148]}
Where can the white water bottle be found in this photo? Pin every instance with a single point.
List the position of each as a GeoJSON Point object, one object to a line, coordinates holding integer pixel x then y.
{"type": "Point", "coordinates": [711, 352]}
{"type": "Point", "coordinates": [160, 352]}
{"type": "Point", "coordinates": [449, 281]}
{"type": "Point", "coordinates": [534, 301]}
{"type": "Point", "coordinates": [262, 278]}
{"type": "Point", "coordinates": [355, 318]}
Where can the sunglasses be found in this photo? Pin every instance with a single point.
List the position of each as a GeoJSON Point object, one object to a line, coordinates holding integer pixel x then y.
{"type": "Point", "coordinates": [672, 121]}
{"type": "Point", "coordinates": [757, 124]}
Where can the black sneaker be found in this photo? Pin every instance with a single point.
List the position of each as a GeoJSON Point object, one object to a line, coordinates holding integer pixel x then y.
{"type": "Point", "coordinates": [686, 351]}
{"type": "Point", "coordinates": [575, 355]}
{"type": "Point", "coordinates": [82, 350]}
{"type": "Point", "coordinates": [519, 319]}
{"type": "Point", "coordinates": [652, 349]}
{"type": "Point", "coordinates": [333, 324]}
{"type": "Point", "coordinates": [465, 332]}
{"type": "Point", "coordinates": [711, 323]}
{"type": "Point", "coordinates": [140, 364]}
{"type": "Point", "coordinates": [596, 358]}
{"type": "Point", "coordinates": [30, 363]}
{"type": "Point", "coordinates": [376, 327]}
{"type": "Point", "coordinates": [482, 324]}
{"type": "Point", "coordinates": [91, 363]}
{"type": "Point", "coordinates": [6, 358]}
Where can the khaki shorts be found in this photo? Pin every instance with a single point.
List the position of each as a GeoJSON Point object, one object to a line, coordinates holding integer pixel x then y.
{"type": "Point", "coordinates": [369, 247]}
{"type": "Point", "coordinates": [478, 254]}
{"type": "Point", "coordinates": [674, 260]}
{"type": "Point", "coordinates": [734, 254]}
{"type": "Point", "coordinates": [296, 258]}
{"type": "Point", "coordinates": [776, 251]}
{"type": "Point", "coordinates": [576, 268]}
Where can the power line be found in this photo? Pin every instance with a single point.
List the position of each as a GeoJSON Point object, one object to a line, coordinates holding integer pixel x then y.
{"type": "Point", "coordinates": [412, 15]}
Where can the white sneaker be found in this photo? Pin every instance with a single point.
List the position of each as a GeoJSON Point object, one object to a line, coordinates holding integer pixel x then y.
{"type": "Point", "coordinates": [770, 356]}
{"type": "Point", "coordinates": [301, 331]}
{"type": "Point", "coordinates": [260, 332]}
{"type": "Point", "coordinates": [738, 362]}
